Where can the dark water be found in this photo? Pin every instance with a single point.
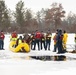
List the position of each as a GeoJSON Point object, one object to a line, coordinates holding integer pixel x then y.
{"type": "Point", "coordinates": [53, 58]}
{"type": "Point", "coordinates": [50, 58]}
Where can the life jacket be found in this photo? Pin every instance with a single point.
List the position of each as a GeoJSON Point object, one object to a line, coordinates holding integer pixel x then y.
{"type": "Point", "coordinates": [42, 37]}
{"type": "Point", "coordinates": [38, 35]}
{"type": "Point", "coordinates": [61, 37]}
{"type": "Point", "coordinates": [2, 36]}
{"type": "Point", "coordinates": [54, 38]}
{"type": "Point", "coordinates": [19, 41]}
{"type": "Point", "coordinates": [48, 37]}
{"type": "Point", "coordinates": [14, 35]}
{"type": "Point", "coordinates": [65, 36]}
{"type": "Point", "coordinates": [32, 37]}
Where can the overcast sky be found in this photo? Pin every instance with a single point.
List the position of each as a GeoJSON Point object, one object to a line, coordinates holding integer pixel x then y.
{"type": "Point", "coordinates": [35, 5]}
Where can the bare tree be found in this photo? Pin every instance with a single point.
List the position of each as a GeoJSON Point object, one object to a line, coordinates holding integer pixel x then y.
{"type": "Point", "coordinates": [55, 15]}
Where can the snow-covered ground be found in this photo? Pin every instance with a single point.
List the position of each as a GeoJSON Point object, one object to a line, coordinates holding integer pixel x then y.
{"type": "Point", "coordinates": [22, 64]}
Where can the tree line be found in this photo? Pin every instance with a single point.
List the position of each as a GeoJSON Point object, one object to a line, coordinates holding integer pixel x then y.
{"type": "Point", "coordinates": [24, 20]}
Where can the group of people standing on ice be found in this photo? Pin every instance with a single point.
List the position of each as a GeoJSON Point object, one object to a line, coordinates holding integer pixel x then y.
{"type": "Point", "coordinates": [60, 40]}
{"type": "Point", "coordinates": [43, 41]}
{"type": "Point", "coordinates": [36, 37]}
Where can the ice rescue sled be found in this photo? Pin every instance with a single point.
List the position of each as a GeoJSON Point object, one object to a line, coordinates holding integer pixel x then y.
{"type": "Point", "coordinates": [19, 48]}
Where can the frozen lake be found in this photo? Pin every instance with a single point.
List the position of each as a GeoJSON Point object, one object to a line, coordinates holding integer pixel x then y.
{"type": "Point", "coordinates": [33, 63]}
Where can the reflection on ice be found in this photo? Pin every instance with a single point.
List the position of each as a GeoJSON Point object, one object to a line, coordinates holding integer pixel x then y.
{"type": "Point", "coordinates": [50, 58]}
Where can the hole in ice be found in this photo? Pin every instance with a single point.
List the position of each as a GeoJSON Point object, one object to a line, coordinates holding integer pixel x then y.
{"type": "Point", "coordinates": [53, 58]}
{"type": "Point", "coordinates": [50, 58]}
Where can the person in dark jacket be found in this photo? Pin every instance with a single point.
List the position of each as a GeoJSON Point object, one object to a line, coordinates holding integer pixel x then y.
{"type": "Point", "coordinates": [59, 41]}
{"type": "Point", "coordinates": [42, 41]}
{"type": "Point", "coordinates": [37, 39]}
{"type": "Point", "coordinates": [32, 40]}
{"type": "Point", "coordinates": [2, 36]}
{"type": "Point", "coordinates": [27, 39]}
{"type": "Point", "coordinates": [48, 40]}
{"type": "Point", "coordinates": [19, 40]}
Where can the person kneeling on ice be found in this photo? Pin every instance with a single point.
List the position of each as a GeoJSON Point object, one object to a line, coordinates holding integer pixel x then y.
{"type": "Point", "coordinates": [19, 41]}
{"type": "Point", "coordinates": [27, 39]}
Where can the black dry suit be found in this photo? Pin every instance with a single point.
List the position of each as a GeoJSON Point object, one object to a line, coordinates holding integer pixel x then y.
{"type": "Point", "coordinates": [59, 41]}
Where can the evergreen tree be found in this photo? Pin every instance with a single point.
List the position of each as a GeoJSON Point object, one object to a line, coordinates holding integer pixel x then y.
{"type": "Point", "coordinates": [19, 15]}
{"type": "Point", "coordinates": [4, 16]}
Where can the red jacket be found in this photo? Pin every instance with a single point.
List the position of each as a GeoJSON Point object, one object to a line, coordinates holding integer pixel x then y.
{"type": "Point", "coordinates": [2, 36]}
{"type": "Point", "coordinates": [14, 35]}
{"type": "Point", "coordinates": [38, 35]}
